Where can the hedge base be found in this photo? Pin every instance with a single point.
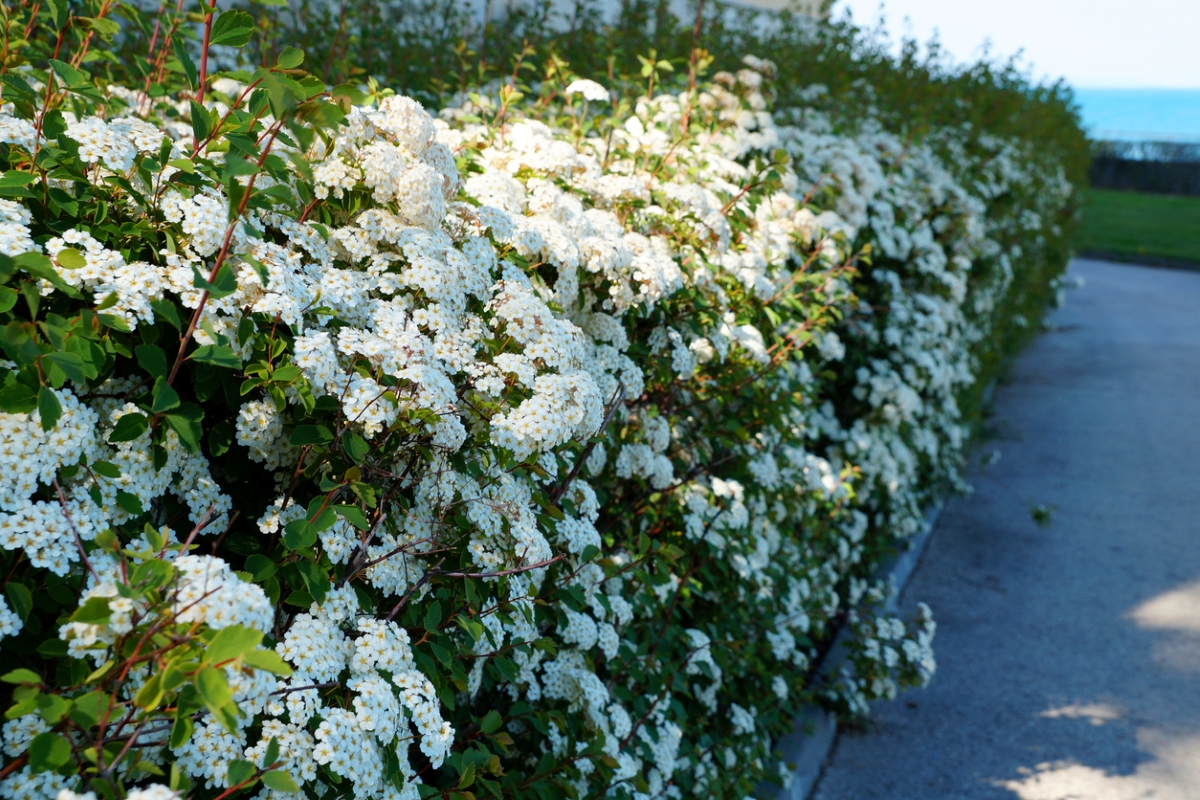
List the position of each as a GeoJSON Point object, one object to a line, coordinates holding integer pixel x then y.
{"type": "Point", "coordinates": [814, 733]}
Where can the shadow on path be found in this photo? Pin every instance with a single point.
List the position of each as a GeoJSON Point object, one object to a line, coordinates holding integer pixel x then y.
{"type": "Point", "coordinates": [1069, 656]}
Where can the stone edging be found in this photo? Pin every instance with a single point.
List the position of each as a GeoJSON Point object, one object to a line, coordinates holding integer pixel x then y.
{"type": "Point", "coordinates": [815, 729]}
{"type": "Point", "coordinates": [1139, 259]}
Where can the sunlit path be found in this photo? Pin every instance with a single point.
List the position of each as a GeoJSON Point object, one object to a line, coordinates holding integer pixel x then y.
{"type": "Point", "coordinates": [1069, 656]}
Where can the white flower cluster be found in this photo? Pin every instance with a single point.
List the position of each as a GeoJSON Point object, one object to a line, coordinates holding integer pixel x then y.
{"type": "Point", "coordinates": [46, 529]}
{"type": "Point", "coordinates": [331, 640]}
{"type": "Point", "coordinates": [206, 591]}
{"type": "Point", "coordinates": [10, 622]}
{"type": "Point", "coordinates": [14, 228]}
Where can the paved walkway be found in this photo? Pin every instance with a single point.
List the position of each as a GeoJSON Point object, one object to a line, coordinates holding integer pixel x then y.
{"type": "Point", "coordinates": [1069, 656]}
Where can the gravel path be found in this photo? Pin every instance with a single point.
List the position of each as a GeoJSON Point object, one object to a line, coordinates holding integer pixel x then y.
{"type": "Point", "coordinates": [1069, 656]}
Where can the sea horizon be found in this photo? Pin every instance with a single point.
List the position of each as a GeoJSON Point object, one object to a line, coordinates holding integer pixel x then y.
{"type": "Point", "coordinates": [1140, 114]}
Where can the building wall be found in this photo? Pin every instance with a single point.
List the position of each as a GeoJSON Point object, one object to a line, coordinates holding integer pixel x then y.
{"type": "Point", "coordinates": [809, 7]}
{"type": "Point", "coordinates": [685, 9]}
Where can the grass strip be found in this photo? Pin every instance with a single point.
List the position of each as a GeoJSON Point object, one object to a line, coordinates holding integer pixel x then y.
{"type": "Point", "coordinates": [1133, 224]}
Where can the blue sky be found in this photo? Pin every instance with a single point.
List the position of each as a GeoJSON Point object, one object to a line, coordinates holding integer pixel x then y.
{"type": "Point", "coordinates": [1091, 43]}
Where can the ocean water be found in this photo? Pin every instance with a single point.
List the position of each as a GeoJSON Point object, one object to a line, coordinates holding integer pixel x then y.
{"type": "Point", "coordinates": [1169, 115]}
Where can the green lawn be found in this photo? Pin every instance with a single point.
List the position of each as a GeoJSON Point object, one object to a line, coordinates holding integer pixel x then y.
{"type": "Point", "coordinates": [1130, 224]}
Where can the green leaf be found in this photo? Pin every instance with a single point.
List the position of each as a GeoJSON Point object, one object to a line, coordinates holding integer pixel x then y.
{"type": "Point", "coordinates": [240, 772]}
{"type": "Point", "coordinates": [153, 572]}
{"type": "Point", "coordinates": [53, 648]}
{"type": "Point", "coordinates": [24, 677]}
{"type": "Point", "coordinates": [224, 285]}
{"type": "Point", "coordinates": [286, 374]}
{"type": "Point", "coordinates": [232, 28]}
{"type": "Point", "coordinates": [353, 515]}
{"type": "Point", "coordinates": [272, 753]}
{"type": "Point", "coordinates": [131, 503]}
{"type": "Point", "coordinates": [40, 266]}
{"type": "Point", "coordinates": [325, 519]}
{"type": "Point", "coordinates": [290, 58]}
{"type": "Point", "coordinates": [433, 616]}
{"type": "Point", "coordinates": [94, 611]}
{"type": "Point", "coordinates": [91, 355]}
{"type": "Point", "coordinates": [220, 438]}
{"type": "Point", "coordinates": [213, 688]}
{"type": "Point", "coordinates": [48, 751]}
{"type": "Point", "coordinates": [18, 88]}
{"type": "Point", "coordinates": [88, 709]}
{"type": "Point", "coordinates": [298, 534]}
{"type": "Point", "coordinates": [181, 731]}
{"type": "Point", "coordinates": [106, 469]}
{"type": "Point", "coordinates": [165, 398]}
{"type": "Point", "coordinates": [69, 257]}
{"type": "Point", "coordinates": [507, 667]}
{"type": "Point", "coordinates": [315, 580]}
{"type": "Point", "coordinates": [129, 427]}
{"type": "Point", "coordinates": [230, 643]}
{"type": "Point", "coordinates": [152, 359]}
{"type": "Point", "coordinates": [13, 183]}
{"type": "Point", "coordinates": [185, 61]}
{"type": "Point", "coordinates": [8, 298]}
{"type": "Point", "coordinates": [355, 446]}
{"type": "Point", "coordinates": [269, 660]}
{"type": "Point", "coordinates": [152, 537]}
{"type": "Point", "coordinates": [22, 707]}
{"type": "Point", "coordinates": [49, 408]}
{"type": "Point", "coordinates": [20, 599]}
{"type": "Point", "coordinates": [52, 708]}
{"type": "Point", "coordinates": [17, 398]}
{"type": "Point", "coordinates": [166, 309]}
{"type": "Point", "coordinates": [151, 693]}
{"type": "Point", "coordinates": [279, 781]}
{"type": "Point", "coordinates": [311, 435]}
{"type": "Point", "coordinates": [58, 12]}
{"type": "Point", "coordinates": [491, 722]}
{"type": "Point", "coordinates": [201, 123]}
{"type": "Point", "coordinates": [351, 92]}
{"type": "Point", "coordinates": [467, 777]}
{"type": "Point", "coordinates": [283, 92]}
{"type": "Point", "coordinates": [105, 28]}
{"type": "Point", "coordinates": [220, 355]}
{"type": "Point", "coordinates": [75, 80]}
{"type": "Point", "coordinates": [186, 423]}
{"type": "Point", "coordinates": [260, 567]}
{"type": "Point", "coordinates": [73, 366]}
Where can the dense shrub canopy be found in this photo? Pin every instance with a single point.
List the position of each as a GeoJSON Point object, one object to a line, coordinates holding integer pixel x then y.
{"type": "Point", "coordinates": [532, 447]}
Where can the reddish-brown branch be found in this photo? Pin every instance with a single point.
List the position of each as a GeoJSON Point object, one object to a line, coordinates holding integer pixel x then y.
{"type": "Point", "coordinates": [220, 260]}
{"type": "Point", "coordinates": [503, 573]}
{"type": "Point", "coordinates": [208, 23]}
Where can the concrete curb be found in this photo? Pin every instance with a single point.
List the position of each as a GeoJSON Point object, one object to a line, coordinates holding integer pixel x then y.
{"type": "Point", "coordinates": [1139, 259]}
{"type": "Point", "coordinates": [815, 730]}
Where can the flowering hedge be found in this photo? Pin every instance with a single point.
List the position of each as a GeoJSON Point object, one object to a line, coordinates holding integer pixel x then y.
{"type": "Point", "coordinates": [529, 449]}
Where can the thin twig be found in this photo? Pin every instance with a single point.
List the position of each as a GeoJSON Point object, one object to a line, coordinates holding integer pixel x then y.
{"type": "Point", "coordinates": [409, 593]}
{"type": "Point", "coordinates": [62, 501]}
{"type": "Point", "coordinates": [618, 398]}
{"type": "Point", "coordinates": [503, 573]}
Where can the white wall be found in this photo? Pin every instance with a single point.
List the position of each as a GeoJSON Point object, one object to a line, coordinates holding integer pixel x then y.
{"type": "Point", "coordinates": [685, 9]}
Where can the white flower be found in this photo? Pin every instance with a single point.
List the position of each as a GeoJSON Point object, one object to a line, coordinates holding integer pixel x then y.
{"type": "Point", "coordinates": [589, 89]}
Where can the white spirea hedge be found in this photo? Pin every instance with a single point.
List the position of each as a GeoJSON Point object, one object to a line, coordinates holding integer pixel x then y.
{"type": "Point", "coordinates": [533, 448]}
